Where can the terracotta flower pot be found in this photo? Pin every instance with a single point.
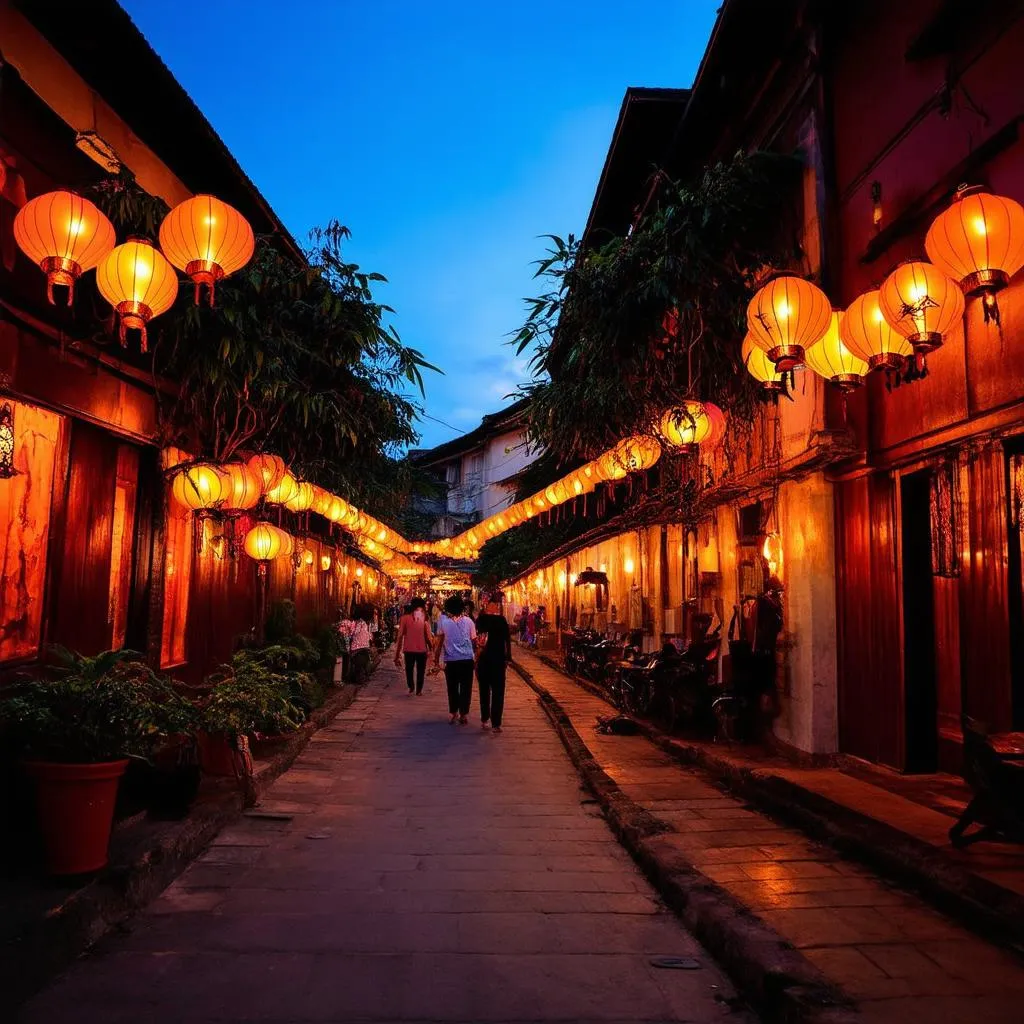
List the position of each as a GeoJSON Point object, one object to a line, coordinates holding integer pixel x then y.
{"type": "Point", "coordinates": [216, 755]}
{"type": "Point", "coordinates": [76, 811]}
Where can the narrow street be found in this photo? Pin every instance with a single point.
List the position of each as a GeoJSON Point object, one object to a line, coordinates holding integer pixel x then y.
{"type": "Point", "coordinates": [405, 869]}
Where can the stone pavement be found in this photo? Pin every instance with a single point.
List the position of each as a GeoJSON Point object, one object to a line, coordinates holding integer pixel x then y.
{"type": "Point", "coordinates": [405, 870]}
{"type": "Point", "coordinates": [897, 957]}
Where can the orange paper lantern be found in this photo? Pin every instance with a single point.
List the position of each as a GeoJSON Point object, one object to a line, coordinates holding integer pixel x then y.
{"type": "Point", "coordinates": [302, 499]}
{"type": "Point", "coordinates": [286, 489]}
{"type": "Point", "coordinates": [786, 316]}
{"type": "Point", "coordinates": [271, 469]}
{"type": "Point", "coordinates": [761, 368]}
{"type": "Point", "coordinates": [200, 487]}
{"type": "Point", "coordinates": [979, 242]}
{"type": "Point", "coordinates": [869, 336]}
{"type": "Point", "coordinates": [64, 235]}
{"type": "Point", "coordinates": [692, 423]}
{"type": "Point", "coordinates": [831, 359]}
{"type": "Point", "coordinates": [139, 283]}
{"type": "Point", "coordinates": [263, 542]}
{"type": "Point", "coordinates": [207, 239]}
{"type": "Point", "coordinates": [920, 302]}
{"type": "Point", "coordinates": [245, 486]}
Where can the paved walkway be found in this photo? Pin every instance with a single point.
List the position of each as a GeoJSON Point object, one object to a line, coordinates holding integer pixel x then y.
{"type": "Point", "coordinates": [405, 870]}
{"type": "Point", "coordinates": [901, 960]}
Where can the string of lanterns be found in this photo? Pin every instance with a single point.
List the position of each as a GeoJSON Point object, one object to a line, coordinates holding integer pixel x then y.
{"type": "Point", "coordinates": [974, 247]}
{"type": "Point", "coordinates": [65, 235]}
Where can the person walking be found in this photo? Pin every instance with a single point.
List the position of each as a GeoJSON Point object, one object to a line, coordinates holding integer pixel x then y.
{"type": "Point", "coordinates": [360, 643]}
{"type": "Point", "coordinates": [490, 666]}
{"type": "Point", "coordinates": [414, 640]}
{"type": "Point", "coordinates": [455, 636]}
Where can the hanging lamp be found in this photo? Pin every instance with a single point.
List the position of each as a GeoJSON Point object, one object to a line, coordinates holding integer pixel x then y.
{"type": "Point", "coordinates": [786, 316]}
{"type": "Point", "coordinates": [869, 336]}
{"type": "Point", "coordinates": [978, 240]}
{"type": "Point", "coordinates": [834, 361]}
{"type": "Point", "coordinates": [139, 283]}
{"type": "Point", "coordinates": [207, 239]}
{"type": "Point", "coordinates": [920, 302]}
{"type": "Point", "coordinates": [64, 235]}
{"type": "Point", "coordinates": [762, 369]}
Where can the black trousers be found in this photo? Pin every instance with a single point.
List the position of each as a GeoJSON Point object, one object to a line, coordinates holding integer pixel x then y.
{"type": "Point", "coordinates": [459, 677]}
{"type": "Point", "coordinates": [492, 691]}
{"type": "Point", "coordinates": [419, 661]}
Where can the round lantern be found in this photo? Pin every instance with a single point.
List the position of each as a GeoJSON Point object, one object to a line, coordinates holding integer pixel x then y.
{"type": "Point", "coordinates": [637, 453]}
{"type": "Point", "coordinates": [286, 489]}
{"type": "Point", "coordinates": [271, 469]}
{"type": "Point", "coordinates": [761, 368]}
{"type": "Point", "coordinates": [325, 563]}
{"type": "Point", "coordinates": [307, 557]}
{"type": "Point", "coordinates": [337, 509]}
{"type": "Point", "coordinates": [692, 423]}
{"type": "Point", "coordinates": [979, 241]}
{"type": "Point", "coordinates": [557, 493]}
{"type": "Point", "coordinates": [207, 239]}
{"type": "Point", "coordinates": [139, 283]}
{"type": "Point", "coordinates": [920, 302]}
{"type": "Point", "coordinates": [321, 501]}
{"type": "Point", "coordinates": [867, 334]}
{"type": "Point", "coordinates": [786, 316]}
{"type": "Point", "coordinates": [287, 542]}
{"type": "Point", "coordinates": [302, 499]}
{"type": "Point", "coordinates": [200, 487]}
{"type": "Point", "coordinates": [831, 359]}
{"type": "Point", "coordinates": [245, 486]}
{"type": "Point", "coordinates": [64, 235]}
{"type": "Point", "coordinates": [262, 544]}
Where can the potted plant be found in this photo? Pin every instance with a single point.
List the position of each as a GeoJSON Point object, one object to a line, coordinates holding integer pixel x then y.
{"type": "Point", "coordinates": [76, 727]}
{"type": "Point", "coordinates": [245, 698]}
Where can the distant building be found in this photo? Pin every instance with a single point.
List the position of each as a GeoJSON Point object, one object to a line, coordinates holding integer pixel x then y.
{"type": "Point", "coordinates": [478, 470]}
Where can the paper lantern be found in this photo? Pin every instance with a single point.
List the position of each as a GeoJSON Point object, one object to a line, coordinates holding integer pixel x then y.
{"type": "Point", "coordinates": [200, 487]}
{"type": "Point", "coordinates": [321, 501]}
{"type": "Point", "coordinates": [831, 359]}
{"type": "Point", "coordinates": [979, 242]}
{"type": "Point", "coordinates": [286, 489]}
{"type": "Point", "coordinates": [692, 423]}
{"type": "Point", "coordinates": [308, 557]}
{"type": "Point", "coordinates": [139, 283]}
{"type": "Point", "coordinates": [761, 368]}
{"type": "Point", "coordinates": [336, 509]}
{"type": "Point", "coordinates": [245, 486]}
{"type": "Point", "coordinates": [207, 239]}
{"type": "Point", "coordinates": [271, 469]}
{"type": "Point", "coordinates": [287, 542]}
{"type": "Point", "coordinates": [325, 563]}
{"type": "Point", "coordinates": [263, 542]}
{"type": "Point", "coordinates": [64, 235]}
{"type": "Point", "coordinates": [635, 454]}
{"type": "Point", "coordinates": [302, 499]}
{"type": "Point", "coordinates": [867, 334]}
{"type": "Point", "coordinates": [920, 302]}
{"type": "Point", "coordinates": [786, 316]}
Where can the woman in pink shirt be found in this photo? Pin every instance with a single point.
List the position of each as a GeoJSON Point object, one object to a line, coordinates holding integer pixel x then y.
{"type": "Point", "coordinates": [414, 638]}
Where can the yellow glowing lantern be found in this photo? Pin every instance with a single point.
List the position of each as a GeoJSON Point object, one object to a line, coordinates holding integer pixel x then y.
{"type": "Point", "coordinates": [868, 335]}
{"type": "Point", "coordinates": [307, 557]}
{"type": "Point", "coordinates": [287, 542]}
{"type": "Point", "coordinates": [979, 241]}
{"type": "Point", "coordinates": [359, 571]}
{"type": "Point", "coordinates": [245, 486]}
{"type": "Point", "coordinates": [139, 283]}
{"type": "Point", "coordinates": [321, 501]}
{"type": "Point", "coordinates": [761, 368]}
{"type": "Point", "coordinates": [286, 489]}
{"type": "Point", "coordinates": [786, 316]}
{"type": "Point", "coordinates": [628, 565]}
{"type": "Point", "coordinates": [200, 487]}
{"type": "Point", "coordinates": [337, 509]}
{"type": "Point", "coordinates": [64, 235]}
{"type": "Point", "coordinates": [207, 239]}
{"type": "Point", "coordinates": [302, 499]}
{"type": "Point", "coordinates": [692, 423]}
{"type": "Point", "coordinates": [920, 302]}
{"type": "Point", "coordinates": [325, 563]}
{"type": "Point", "coordinates": [262, 544]}
{"type": "Point", "coordinates": [771, 551]}
{"type": "Point", "coordinates": [636, 454]}
{"type": "Point", "coordinates": [271, 469]}
{"type": "Point", "coordinates": [831, 359]}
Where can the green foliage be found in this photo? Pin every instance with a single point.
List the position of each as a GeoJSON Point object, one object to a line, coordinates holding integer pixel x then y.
{"type": "Point", "coordinates": [89, 710]}
{"type": "Point", "coordinates": [328, 643]}
{"type": "Point", "coordinates": [630, 329]}
{"type": "Point", "coordinates": [253, 695]}
{"type": "Point", "coordinates": [280, 622]}
{"type": "Point", "coordinates": [295, 358]}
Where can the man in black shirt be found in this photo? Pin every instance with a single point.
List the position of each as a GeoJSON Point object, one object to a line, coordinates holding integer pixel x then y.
{"type": "Point", "coordinates": [495, 639]}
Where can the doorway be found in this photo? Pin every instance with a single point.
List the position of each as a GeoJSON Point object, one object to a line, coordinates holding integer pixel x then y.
{"type": "Point", "coordinates": [920, 688]}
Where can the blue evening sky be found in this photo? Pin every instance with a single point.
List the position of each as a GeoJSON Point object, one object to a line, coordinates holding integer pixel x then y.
{"type": "Point", "coordinates": [447, 135]}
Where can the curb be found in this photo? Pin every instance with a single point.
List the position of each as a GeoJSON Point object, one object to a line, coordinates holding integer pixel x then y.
{"type": "Point", "coordinates": [989, 909]}
{"type": "Point", "coordinates": [66, 931]}
{"type": "Point", "coordinates": [773, 976]}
